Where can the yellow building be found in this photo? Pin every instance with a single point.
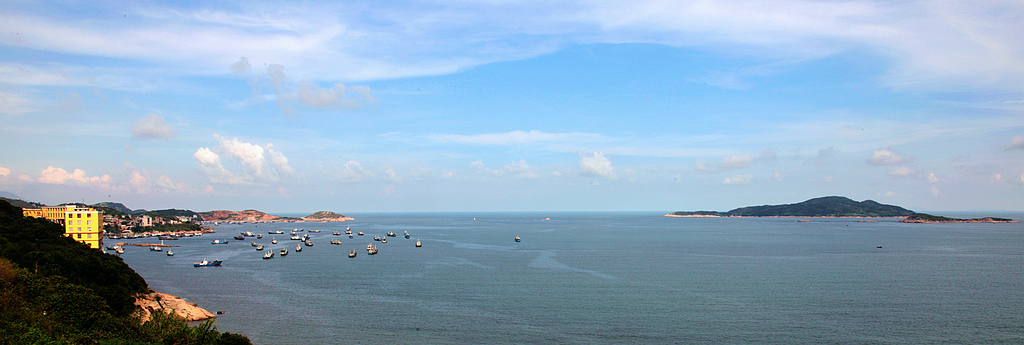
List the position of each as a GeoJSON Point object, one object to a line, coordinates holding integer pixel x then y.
{"type": "Point", "coordinates": [83, 224]}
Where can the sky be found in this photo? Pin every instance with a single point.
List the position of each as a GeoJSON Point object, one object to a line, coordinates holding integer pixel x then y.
{"type": "Point", "coordinates": [424, 106]}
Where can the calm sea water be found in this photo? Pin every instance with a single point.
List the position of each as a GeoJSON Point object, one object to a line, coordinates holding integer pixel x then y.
{"type": "Point", "coordinates": [609, 278]}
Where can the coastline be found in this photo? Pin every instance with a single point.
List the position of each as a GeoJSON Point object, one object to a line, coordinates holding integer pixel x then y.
{"type": "Point", "coordinates": [151, 302]}
{"type": "Point", "coordinates": [673, 215]}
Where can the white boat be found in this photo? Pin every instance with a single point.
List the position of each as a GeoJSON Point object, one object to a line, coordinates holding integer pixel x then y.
{"type": "Point", "coordinates": [370, 249]}
{"type": "Point", "coordinates": [298, 248]}
{"type": "Point", "coordinates": [284, 252]}
{"type": "Point", "coordinates": [156, 249]}
{"type": "Point", "coordinates": [170, 253]}
{"type": "Point", "coordinates": [518, 239]}
{"type": "Point", "coordinates": [259, 247]}
{"type": "Point", "coordinates": [268, 254]}
{"type": "Point", "coordinates": [274, 241]}
{"type": "Point", "coordinates": [418, 244]}
{"type": "Point", "coordinates": [352, 254]}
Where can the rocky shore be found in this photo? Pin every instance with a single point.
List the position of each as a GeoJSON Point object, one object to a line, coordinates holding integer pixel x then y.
{"type": "Point", "coordinates": [150, 303]}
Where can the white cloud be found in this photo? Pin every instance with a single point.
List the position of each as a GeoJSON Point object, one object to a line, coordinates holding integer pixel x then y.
{"type": "Point", "coordinates": [931, 178]}
{"type": "Point", "coordinates": [140, 182]}
{"type": "Point", "coordinates": [516, 138]}
{"type": "Point", "coordinates": [886, 157]}
{"type": "Point", "coordinates": [1021, 177]}
{"type": "Point", "coordinates": [152, 126]}
{"type": "Point", "coordinates": [521, 169]}
{"type": "Point", "coordinates": [4, 172]}
{"type": "Point", "coordinates": [901, 171]}
{"type": "Point", "coordinates": [596, 165]}
{"type": "Point", "coordinates": [334, 98]}
{"type": "Point", "coordinates": [56, 175]}
{"type": "Point", "coordinates": [258, 163]}
{"type": "Point", "coordinates": [1017, 143]}
{"type": "Point", "coordinates": [934, 190]}
{"type": "Point", "coordinates": [353, 172]}
{"type": "Point", "coordinates": [737, 180]}
{"type": "Point", "coordinates": [736, 161]}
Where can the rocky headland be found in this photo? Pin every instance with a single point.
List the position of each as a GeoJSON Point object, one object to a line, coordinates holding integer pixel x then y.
{"type": "Point", "coordinates": [152, 302]}
{"type": "Point", "coordinates": [242, 216]}
{"type": "Point", "coordinates": [325, 216]}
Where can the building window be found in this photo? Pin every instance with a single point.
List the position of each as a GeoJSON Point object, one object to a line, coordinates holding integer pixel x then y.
{"type": "Point", "coordinates": [79, 215]}
{"type": "Point", "coordinates": [79, 236]}
{"type": "Point", "coordinates": [88, 222]}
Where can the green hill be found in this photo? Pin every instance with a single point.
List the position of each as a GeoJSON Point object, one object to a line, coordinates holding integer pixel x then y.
{"type": "Point", "coordinates": [829, 206]}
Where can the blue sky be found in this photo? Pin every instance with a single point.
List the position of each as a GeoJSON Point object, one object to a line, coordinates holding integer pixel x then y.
{"type": "Point", "coordinates": [513, 106]}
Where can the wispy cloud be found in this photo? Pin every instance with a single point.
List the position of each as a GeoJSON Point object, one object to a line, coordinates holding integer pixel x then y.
{"type": "Point", "coordinates": [596, 165]}
{"type": "Point", "coordinates": [887, 157]}
{"type": "Point", "coordinates": [517, 138]}
{"type": "Point", "coordinates": [1017, 143]}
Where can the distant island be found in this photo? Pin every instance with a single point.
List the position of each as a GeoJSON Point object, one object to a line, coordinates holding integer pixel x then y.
{"type": "Point", "coordinates": [829, 206]}
{"type": "Point", "coordinates": [927, 218]}
{"type": "Point", "coordinates": [836, 207]}
{"type": "Point", "coordinates": [252, 216]}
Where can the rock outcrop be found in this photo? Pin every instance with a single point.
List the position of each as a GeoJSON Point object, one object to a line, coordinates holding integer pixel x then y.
{"type": "Point", "coordinates": [152, 302]}
{"type": "Point", "coordinates": [325, 216]}
{"type": "Point", "coordinates": [242, 216]}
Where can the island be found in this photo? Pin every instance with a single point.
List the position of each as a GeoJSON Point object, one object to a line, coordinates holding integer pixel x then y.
{"type": "Point", "coordinates": [254, 216]}
{"type": "Point", "coordinates": [325, 216]}
{"type": "Point", "coordinates": [829, 206]}
{"type": "Point", "coordinates": [927, 218]}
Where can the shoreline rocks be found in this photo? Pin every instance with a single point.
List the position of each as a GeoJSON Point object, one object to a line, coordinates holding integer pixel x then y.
{"type": "Point", "coordinates": [151, 302]}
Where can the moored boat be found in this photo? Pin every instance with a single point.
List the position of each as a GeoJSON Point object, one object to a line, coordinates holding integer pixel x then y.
{"type": "Point", "coordinates": [518, 239]}
{"type": "Point", "coordinates": [254, 244]}
{"type": "Point", "coordinates": [276, 232]}
{"type": "Point", "coordinates": [308, 243]}
{"type": "Point", "coordinates": [206, 263]}
{"type": "Point", "coordinates": [218, 242]}
{"type": "Point", "coordinates": [314, 230]}
{"type": "Point", "coordinates": [259, 247]}
{"type": "Point", "coordinates": [407, 235]}
{"type": "Point", "coordinates": [370, 249]}
{"type": "Point", "coordinates": [284, 252]}
{"type": "Point", "coordinates": [268, 255]}
{"type": "Point", "coordinates": [239, 238]}
{"type": "Point", "coordinates": [170, 253]}
{"type": "Point", "coordinates": [274, 241]}
{"type": "Point", "coordinates": [335, 233]}
{"type": "Point", "coordinates": [298, 247]}
{"type": "Point", "coordinates": [391, 234]}
{"type": "Point", "coordinates": [156, 249]}
{"type": "Point", "coordinates": [352, 254]}
{"type": "Point", "coordinates": [418, 244]}
{"type": "Point", "coordinates": [359, 233]}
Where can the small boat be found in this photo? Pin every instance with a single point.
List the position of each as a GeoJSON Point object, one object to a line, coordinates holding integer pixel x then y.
{"type": "Point", "coordinates": [298, 230]}
{"type": "Point", "coordinates": [518, 239]}
{"type": "Point", "coordinates": [206, 263]}
{"type": "Point", "coordinates": [348, 231]}
{"type": "Point", "coordinates": [268, 255]}
{"type": "Point", "coordinates": [296, 238]}
{"type": "Point", "coordinates": [376, 238]}
{"type": "Point", "coordinates": [276, 232]}
{"type": "Point", "coordinates": [218, 242]}
{"type": "Point", "coordinates": [239, 238]}
{"type": "Point", "coordinates": [254, 244]}
{"type": "Point", "coordinates": [407, 235]}
{"type": "Point", "coordinates": [274, 241]}
{"type": "Point", "coordinates": [298, 248]}
{"type": "Point", "coordinates": [359, 233]}
{"type": "Point", "coordinates": [336, 233]}
{"type": "Point", "coordinates": [259, 247]}
{"type": "Point", "coordinates": [335, 242]}
{"type": "Point", "coordinates": [119, 249]}
{"type": "Point", "coordinates": [167, 237]}
{"type": "Point", "coordinates": [248, 234]}
{"type": "Point", "coordinates": [349, 235]}
{"type": "Point", "coordinates": [284, 252]}
{"type": "Point", "coordinates": [259, 236]}
{"type": "Point", "coordinates": [352, 254]}
{"type": "Point", "coordinates": [370, 249]}
{"type": "Point", "coordinates": [314, 230]}
{"type": "Point", "coordinates": [418, 244]}
{"type": "Point", "coordinates": [391, 234]}
{"type": "Point", "coordinates": [384, 240]}
{"type": "Point", "coordinates": [170, 253]}
{"type": "Point", "coordinates": [309, 243]}
{"type": "Point", "coordinates": [156, 249]}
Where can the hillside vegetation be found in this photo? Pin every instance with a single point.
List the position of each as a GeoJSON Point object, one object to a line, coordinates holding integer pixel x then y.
{"type": "Point", "coordinates": [54, 290]}
{"type": "Point", "coordinates": [829, 206]}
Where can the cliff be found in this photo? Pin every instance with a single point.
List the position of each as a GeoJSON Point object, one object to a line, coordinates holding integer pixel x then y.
{"type": "Point", "coordinates": [149, 303]}
{"type": "Point", "coordinates": [325, 216]}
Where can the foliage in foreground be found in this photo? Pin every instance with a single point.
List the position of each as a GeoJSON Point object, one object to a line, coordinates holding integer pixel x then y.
{"type": "Point", "coordinates": [54, 290]}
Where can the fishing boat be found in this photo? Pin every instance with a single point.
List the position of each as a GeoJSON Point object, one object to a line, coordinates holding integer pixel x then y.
{"type": "Point", "coordinates": [206, 263]}
{"type": "Point", "coordinates": [418, 244]}
{"type": "Point", "coordinates": [284, 252]}
{"type": "Point", "coordinates": [248, 234]}
{"type": "Point", "coordinates": [119, 249]}
{"type": "Point", "coordinates": [384, 240]}
{"type": "Point", "coordinates": [296, 238]}
{"type": "Point", "coordinates": [259, 247]}
{"type": "Point", "coordinates": [349, 235]}
{"type": "Point", "coordinates": [156, 249]}
{"type": "Point", "coordinates": [348, 231]}
{"type": "Point", "coordinates": [259, 236]}
{"type": "Point", "coordinates": [219, 242]}
{"type": "Point", "coordinates": [276, 232]}
{"type": "Point", "coordinates": [335, 233]}
{"type": "Point", "coordinates": [239, 238]}
{"type": "Point", "coordinates": [359, 233]}
{"type": "Point", "coordinates": [376, 238]}
{"type": "Point", "coordinates": [518, 239]}
{"type": "Point", "coordinates": [309, 243]}
{"type": "Point", "coordinates": [170, 253]}
{"type": "Point", "coordinates": [268, 255]}
{"type": "Point", "coordinates": [298, 247]}
{"type": "Point", "coordinates": [254, 244]}
{"type": "Point", "coordinates": [274, 241]}
{"type": "Point", "coordinates": [314, 230]}
{"type": "Point", "coordinates": [370, 249]}
{"type": "Point", "coordinates": [391, 234]}
{"type": "Point", "coordinates": [335, 242]}
{"type": "Point", "coordinates": [352, 254]}
{"type": "Point", "coordinates": [407, 235]}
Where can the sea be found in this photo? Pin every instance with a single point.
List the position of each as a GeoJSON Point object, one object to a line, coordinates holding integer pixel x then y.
{"type": "Point", "coordinates": [606, 278]}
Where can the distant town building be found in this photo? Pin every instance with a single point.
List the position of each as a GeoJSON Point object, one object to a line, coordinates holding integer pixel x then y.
{"type": "Point", "coordinates": [83, 224]}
